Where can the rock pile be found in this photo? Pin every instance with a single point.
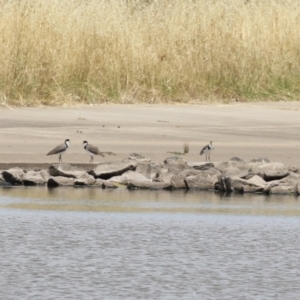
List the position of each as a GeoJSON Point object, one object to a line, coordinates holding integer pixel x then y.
{"type": "Point", "coordinates": [137, 172]}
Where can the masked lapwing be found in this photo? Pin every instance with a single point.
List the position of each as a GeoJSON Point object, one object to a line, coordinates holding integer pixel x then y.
{"type": "Point", "coordinates": [91, 150]}
{"type": "Point", "coordinates": [60, 149]}
{"type": "Point", "coordinates": [207, 150]}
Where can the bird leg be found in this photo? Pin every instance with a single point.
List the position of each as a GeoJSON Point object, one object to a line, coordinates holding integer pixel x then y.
{"type": "Point", "coordinates": [59, 159]}
{"type": "Point", "coordinates": [91, 159]}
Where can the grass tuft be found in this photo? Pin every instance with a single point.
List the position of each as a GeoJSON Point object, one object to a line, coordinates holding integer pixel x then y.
{"type": "Point", "coordinates": [186, 148]}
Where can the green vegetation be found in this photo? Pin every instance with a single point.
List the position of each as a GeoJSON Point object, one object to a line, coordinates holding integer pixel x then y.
{"type": "Point", "coordinates": [151, 51]}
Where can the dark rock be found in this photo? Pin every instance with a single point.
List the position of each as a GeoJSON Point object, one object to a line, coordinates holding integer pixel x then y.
{"type": "Point", "coordinates": [274, 171]}
{"type": "Point", "coordinates": [297, 190]}
{"type": "Point", "coordinates": [65, 170]}
{"type": "Point", "coordinates": [227, 184]}
{"type": "Point", "coordinates": [59, 181]}
{"type": "Point", "coordinates": [109, 169]}
{"type": "Point", "coordinates": [247, 186]}
{"type": "Point", "coordinates": [2, 181]}
{"type": "Point", "coordinates": [285, 186]}
{"type": "Point", "coordinates": [13, 176]}
{"type": "Point", "coordinates": [255, 170]}
{"type": "Point", "coordinates": [224, 184]}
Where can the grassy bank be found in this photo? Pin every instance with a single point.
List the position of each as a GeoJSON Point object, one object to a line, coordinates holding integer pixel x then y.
{"type": "Point", "coordinates": [93, 51]}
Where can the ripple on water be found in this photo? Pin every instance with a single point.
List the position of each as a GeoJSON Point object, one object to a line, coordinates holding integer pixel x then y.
{"type": "Point", "coordinates": [73, 254]}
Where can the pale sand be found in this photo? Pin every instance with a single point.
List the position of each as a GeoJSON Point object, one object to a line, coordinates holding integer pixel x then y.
{"type": "Point", "coordinates": [245, 130]}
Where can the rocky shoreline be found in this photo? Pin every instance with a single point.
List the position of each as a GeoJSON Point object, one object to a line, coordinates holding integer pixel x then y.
{"type": "Point", "coordinates": [137, 172]}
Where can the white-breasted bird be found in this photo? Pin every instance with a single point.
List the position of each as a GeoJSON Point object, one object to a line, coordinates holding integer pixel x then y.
{"type": "Point", "coordinates": [207, 150]}
{"type": "Point", "coordinates": [60, 149]}
{"type": "Point", "coordinates": [91, 150]}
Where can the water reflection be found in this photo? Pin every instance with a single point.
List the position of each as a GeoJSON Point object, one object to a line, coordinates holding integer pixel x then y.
{"type": "Point", "coordinates": [123, 200]}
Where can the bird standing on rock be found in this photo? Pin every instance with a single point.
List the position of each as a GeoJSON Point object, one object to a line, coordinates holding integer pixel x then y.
{"type": "Point", "coordinates": [60, 149]}
{"type": "Point", "coordinates": [207, 150]}
{"type": "Point", "coordinates": [91, 150]}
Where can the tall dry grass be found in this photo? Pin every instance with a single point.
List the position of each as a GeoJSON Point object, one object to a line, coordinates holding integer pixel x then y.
{"type": "Point", "coordinates": [126, 51]}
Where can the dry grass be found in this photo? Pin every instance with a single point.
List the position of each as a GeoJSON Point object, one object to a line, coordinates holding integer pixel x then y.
{"type": "Point", "coordinates": [186, 148]}
{"type": "Point", "coordinates": [126, 51]}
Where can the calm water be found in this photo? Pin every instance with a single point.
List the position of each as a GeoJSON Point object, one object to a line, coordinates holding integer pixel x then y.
{"type": "Point", "coordinates": [102, 244]}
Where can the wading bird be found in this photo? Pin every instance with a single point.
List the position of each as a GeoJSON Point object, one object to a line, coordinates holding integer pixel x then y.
{"type": "Point", "coordinates": [206, 150]}
{"type": "Point", "coordinates": [60, 149]}
{"type": "Point", "coordinates": [91, 150]}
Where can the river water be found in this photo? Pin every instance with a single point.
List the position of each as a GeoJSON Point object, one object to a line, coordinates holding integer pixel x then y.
{"type": "Point", "coordinates": [70, 243]}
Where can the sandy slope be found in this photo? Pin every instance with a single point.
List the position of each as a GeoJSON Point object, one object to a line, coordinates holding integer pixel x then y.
{"type": "Point", "coordinates": [245, 130]}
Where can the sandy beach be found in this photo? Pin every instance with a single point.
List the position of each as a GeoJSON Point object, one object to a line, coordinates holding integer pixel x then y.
{"type": "Point", "coordinates": [245, 130]}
